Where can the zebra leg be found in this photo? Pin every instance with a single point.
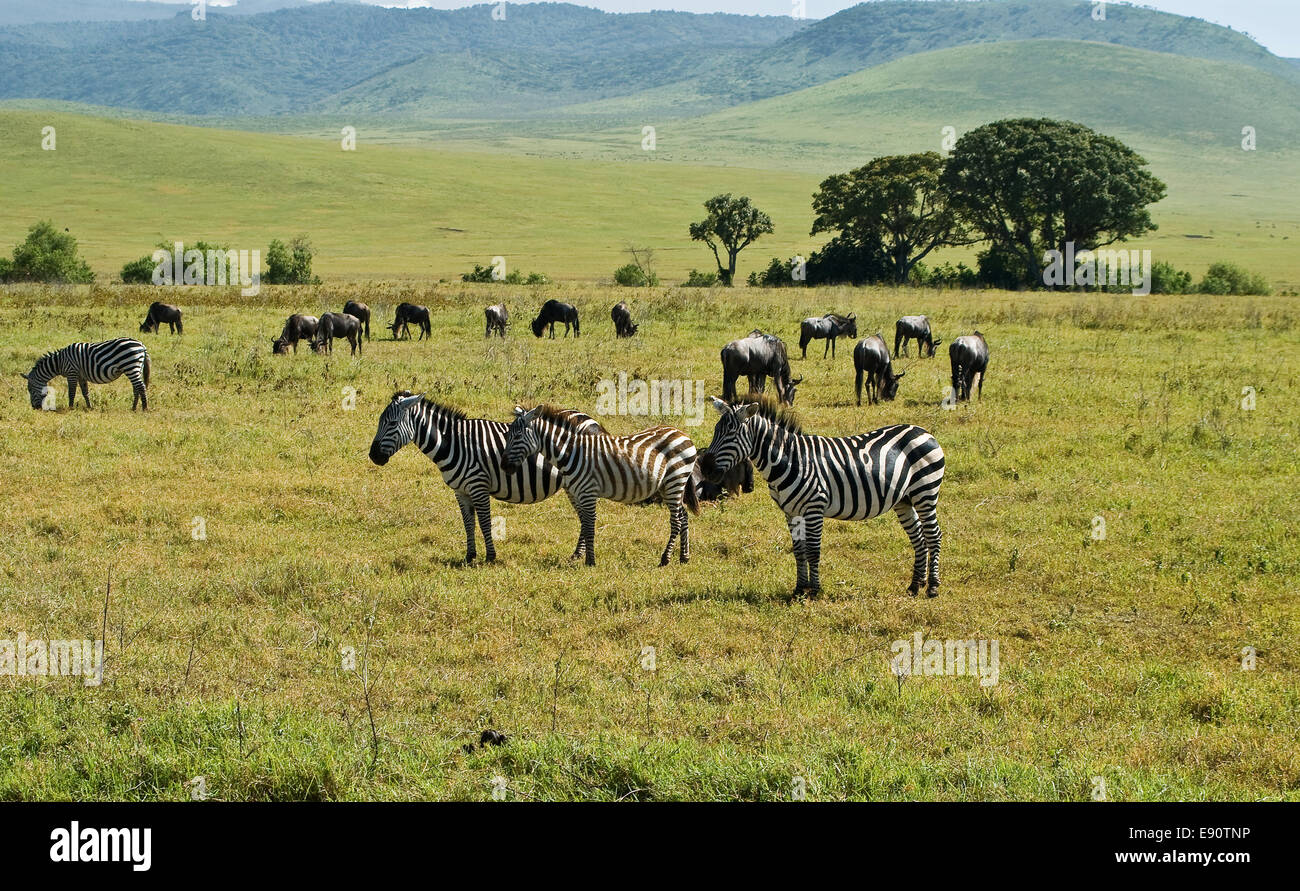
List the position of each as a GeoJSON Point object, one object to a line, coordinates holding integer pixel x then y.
{"type": "Point", "coordinates": [72, 392]}
{"type": "Point", "coordinates": [930, 530]}
{"type": "Point", "coordinates": [581, 549]}
{"type": "Point", "coordinates": [137, 390]}
{"type": "Point", "coordinates": [912, 526]}
{"type": "Point", "coordinates": [674, 527]}
{"type": "Point", "coordinates": [587, 516]}
{"type": "Point", "coordinates": [685, 555]}
{"type": "Point", "coordinates": [85, 392]}
{"type": "Point", "coordinates": [483, 507]}
{"type": "Point", "coordinates": [812, 550]}
{"type": "Point", "coordinates": [467, 517]}
{"type": "Point", "coordinates": [798, 529]}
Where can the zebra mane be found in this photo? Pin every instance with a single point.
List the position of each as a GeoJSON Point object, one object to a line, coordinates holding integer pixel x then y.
{"type": "Point", "coordinates": [446, 411]}
{"type": "Point", "coordinates": [561, 417]}
{"type": "Point", "coordinates": [773, 411]}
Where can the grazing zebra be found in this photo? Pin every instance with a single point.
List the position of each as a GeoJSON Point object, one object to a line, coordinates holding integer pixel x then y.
{"type": "Point", "coordinates": [844, 478]}
{"type": "Point", "coordinates": [828, 327]}
{"type": "Point", "coordinates": [468, 453]}
{"type": "Point", "coordinates": [627, 469]}
{"type": "Point", "coordinates": [95, 363]}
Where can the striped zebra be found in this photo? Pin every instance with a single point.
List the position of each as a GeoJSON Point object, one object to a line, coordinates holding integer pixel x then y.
{"type": "Point", "coordinates": [844, 478]}
{"type": "Point", "coordinates": [92, 363]}
{"type": "Point", "coordinates": [468, 452]}
{"type": "Point", "coordinates": [627, 469]}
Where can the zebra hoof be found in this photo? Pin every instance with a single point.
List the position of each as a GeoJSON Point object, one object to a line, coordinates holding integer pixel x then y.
{"type": "Point", "coordinates": [491, 558]}
{"type": "Point", "coordinates": [932, 591]}
{"type": "Point", "coordinates": [913, 589]}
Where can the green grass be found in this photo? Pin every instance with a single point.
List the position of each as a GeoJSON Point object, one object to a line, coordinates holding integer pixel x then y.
{"type": "Point", "coordinates": [1119, 658]}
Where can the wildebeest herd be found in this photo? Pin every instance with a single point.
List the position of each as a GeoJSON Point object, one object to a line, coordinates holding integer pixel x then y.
{"type": "Point", "coordinates": [546, 448]}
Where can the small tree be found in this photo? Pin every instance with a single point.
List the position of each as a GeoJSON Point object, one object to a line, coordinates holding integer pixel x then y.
{"type": "Point", "coordinates": [291, 264]}
{"type": "Point", "coordinates": [732, 225]}
{"type": "Point", "coordinates": [640, 272]}
{"type": "Point", "coordinates": [47, 255]}
{"type": "Point", "coordinates": [1229, 278]}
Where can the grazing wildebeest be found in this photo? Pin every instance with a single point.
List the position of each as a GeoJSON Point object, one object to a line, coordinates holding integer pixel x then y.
{"type": "Point", "coordinates": [337, 324]}
{"type": "Point", "coordinates": [622, 317]}
{"type": "Point", "coordinates": [361, 311]}
{"type": "Point", "coordinates": [871, 358]}
{"type": "Point", "coordinates": [162, 314]}
{"type": "Point", "coordinates": [816, 478]}
{"type": "Point", "coordinates": [915, 328]}
{"type": "Point", "coordinates": [468, 452]}
{"type": "Point", "coordinates": [554, 311]}
{"type": "Point", "coordinates": [828, 327]}
{"type": "Point", "coordinates": [969, 355]}
{"type": "Point", "coordinates": [408, 314]}
{"type": "Point", "coordinates": [297, 327]}
{"type": "Point", "coordinates": [497, 317]}
{"type": "Point", "coordinates": [758, 356]}
{"type": "Point", "coordinates": [740, 478]}
{"type": "Point", "coordinates": [95, 363]}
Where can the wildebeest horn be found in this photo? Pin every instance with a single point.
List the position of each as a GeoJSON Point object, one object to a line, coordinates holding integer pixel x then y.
{"type": "Point", "coordinates": [799, 381]}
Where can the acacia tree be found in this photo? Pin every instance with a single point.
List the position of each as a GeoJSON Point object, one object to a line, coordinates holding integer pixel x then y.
{"type": "Point", "coordinates": [894, 203]}
{"type": "Point", "coordinates": [732, 225]}
{"type": "Point", "coordinates": [1028, 185]}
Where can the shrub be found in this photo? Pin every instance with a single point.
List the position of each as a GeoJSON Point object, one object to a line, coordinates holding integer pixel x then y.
{"type": "Point", "coordinates": [291, 264]}
{"type": "Point", "coordinates": [1166, 279]}
{"type": "Point", "coordinates": [698, 279]}
{"type": "Point", "coordinates": [778, 274]}
{"type": "Point", "coordinates": [47, 255]}
{"type": "Point", "coordinates": [999, 267]}
{"type": "Point", "coordinates": [138, 272]}
{"type": "Point", "coordinates": [514, 277]}
{"type": "Point", "coordinates": [1229, 278]}
{"type": "Point", "coordinates": [841, 261]}
{"type": "Point", "coordinates": [633, 276]}
{"type": "Point", "coordinates": [945, 276]}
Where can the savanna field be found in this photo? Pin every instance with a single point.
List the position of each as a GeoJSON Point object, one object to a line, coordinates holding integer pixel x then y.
{"type": "Point", "coordinates": [1120, 657]}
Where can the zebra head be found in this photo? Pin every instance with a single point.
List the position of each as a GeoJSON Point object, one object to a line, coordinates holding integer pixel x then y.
{"type": "Point", "coordinates": [733, 440]}
{"type": "Point", "coordinates": [37, 385]}
{"type": "Point", "coordinates": [396, 428]}
{"type": "Point", "coordinates": [522, 439]}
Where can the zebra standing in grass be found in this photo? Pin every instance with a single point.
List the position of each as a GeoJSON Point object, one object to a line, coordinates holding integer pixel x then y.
{"type": "Point", "coordinates": [844, 478]}
{"type": "Point", "coordinates": [468, 452]}
{"type": "Point", "coordinates": [627, 469]}
{"type": "Point", "coordinates": [92, 363]}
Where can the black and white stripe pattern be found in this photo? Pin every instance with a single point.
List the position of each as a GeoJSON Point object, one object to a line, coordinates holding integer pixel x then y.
{"type": "Point", "coordinates": [468, 452]}
{"type": "Point", "coordinates": [812, 478]}
{"type": "Point", "coordinates": [627, 469]}
{"type": "Point", "coordinates": [92, 363]}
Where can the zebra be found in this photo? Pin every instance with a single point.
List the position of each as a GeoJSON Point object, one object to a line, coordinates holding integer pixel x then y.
{"type": "Point", "coordinates": [844, 478]}
{"type": "Point", "coordinates": [468, 453]}
{"type": "Point", "coordinates": [627, 469]}
{"type": "Point", "coordinates": [95, 363]}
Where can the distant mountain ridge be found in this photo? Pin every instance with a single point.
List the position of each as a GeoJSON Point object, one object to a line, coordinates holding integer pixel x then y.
{"type": "Point", "coordinates": [424, 64]}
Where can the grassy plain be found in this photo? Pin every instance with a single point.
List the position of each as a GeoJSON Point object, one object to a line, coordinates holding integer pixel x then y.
{"type": "Point", "coordinates": [1120, 658]}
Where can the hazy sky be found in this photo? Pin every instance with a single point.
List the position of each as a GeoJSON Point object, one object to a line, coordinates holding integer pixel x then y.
{"type": "Point", "coordinates": [1274, 23]}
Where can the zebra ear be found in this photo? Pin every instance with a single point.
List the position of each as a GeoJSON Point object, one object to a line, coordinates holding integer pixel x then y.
{"type": "Point", "coordinates": [718, 405]}
{"type": "Point", "coordinates": [531, 413]}
{"type": "Point", "coordinates": [24, 376]}
{"type": "Point", "coordinates": [408, 401]}
{"type": "Point", "coordinates": [748, 411]}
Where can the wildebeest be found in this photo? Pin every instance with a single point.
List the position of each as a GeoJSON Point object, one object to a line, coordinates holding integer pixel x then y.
{"type": "Point", "coordinates": [915, 328]}
{"type": "Point", "coordinates": [871, 359]}
{"type": "Point", "coordinates": [497, 317]}
{"type": "Point", "coordinates": [162, 314]}
{"type": "Point", "coordinates": [554, 311]}
{"type": "Point", "coordinates": [408, 314]}
{"type": "Point", "coordinates": [337, 324]}
{"type": "Point", "coordinates": [969, 355]}
{"type": "Point", "coordinates": [297, 327]}
{"type": "Point", "coordinates": [622, 317]}
{"type": "Point", "coordinates": [828, 327]}
{"type": "Point", "coordinates": [740, 478]}
{"type": "Point", "coordinates": [361, 311]}
{"type": "Point", "coordinates": [758, 356]}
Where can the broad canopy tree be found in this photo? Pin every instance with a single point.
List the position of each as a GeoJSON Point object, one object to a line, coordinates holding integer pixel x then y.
{"type": "Point", "coordinates": [1032, 185]}
{"type": "Point", "coordinates": [894, 204]}
{"type": "Point", "coordinates": [731, 226]}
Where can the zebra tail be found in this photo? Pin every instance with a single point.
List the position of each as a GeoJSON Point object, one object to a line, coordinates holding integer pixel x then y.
{"type": "Point", "coordinates": [691, 498]}
{"type": "Point", "coordinates": [146, 369]}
